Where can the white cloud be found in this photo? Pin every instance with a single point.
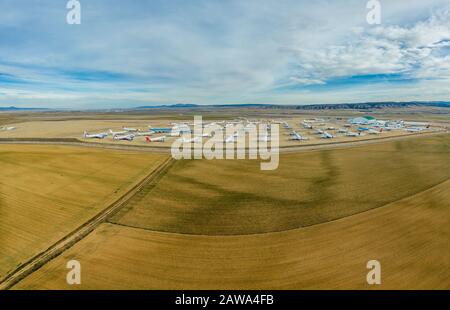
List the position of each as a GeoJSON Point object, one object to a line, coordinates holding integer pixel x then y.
{"type": "Point", "coordinates": [208, 51]}
{"type": "Point", "coordinates": [382, 50]}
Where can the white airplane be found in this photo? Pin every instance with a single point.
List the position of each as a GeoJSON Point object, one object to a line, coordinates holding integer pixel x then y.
{"type": "Point", "coordinates": [375, 132]}
{"type": "Point", "coordinates": [353, 134]}
{"type": "Point", "coordinates": [115, 133]}
{"type": "Point", "coordinates": [298, 137]}
{"type": "Point", "coordinates": [319, 131]}
{"type": "Point", "coordinates": [128, 129]}
{"type": "Point", "coordinates": [342, 130]}
{"type": "Point", "coordinates": [95, 135]}
{"type": "Point", "coordinates": [286, 126]}
{"type": "Point", "coordinates": [7, 128]}
{"type": "Point", "coordinates": [331, 128]}
{"type": "Point", "coordinates": [414, 129]}
{"type": "Point", "coordinates": [144, 133]}
{"type": "Point", "coordinates": [327, 135]}
{"type": "Point", "coordinates": [207, 135]}
{"type": "Point", "coordinates": [175, 133]}
{"type": "Point", "coordinates": [306, 125]}
{"type": "Point", "coordinates": [126, 137]}
{"type": "Point", "coordinates": [156, 139]}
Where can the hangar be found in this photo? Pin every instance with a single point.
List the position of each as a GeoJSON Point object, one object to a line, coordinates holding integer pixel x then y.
{"type": "Point", "coordinates": [364, 120]}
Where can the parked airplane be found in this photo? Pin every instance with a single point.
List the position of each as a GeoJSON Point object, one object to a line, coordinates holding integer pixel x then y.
{"type": "Point", "coordinates": [144, 133]}
{"type": "Point", "coordinates": [95, 135]}
{"type": "Point", "coordinates": [298, 137]}
{"type": "Point", "coordinates": [319, 131]}
{"type": "Point", "coordinates": [415, 129]}
{"type": "Point", "coordinates": [375, 132]}
{"type": "Point", "coordinates": [129, 129]}
{"type": "Point", "coordinates": [342, 130]}
{"type": "Point", "coordinates": [286, 126]}
{"type": "Point", "coordinates": [353, 134]}
{"type": "Point", "coordinates": [129, 137]}
{"type": "Point", "coordinates": [161, 129]}
{"type": "Point", "coordinates": [327, 135]}
{"type": "Point", "coordinates": [307, 126]}
{"type": "Point", "coordinates": [115, 133]}
{"type": "Point", "coordinates": [7, 128]}
{"type": "Point", "coordinates": [156, 139]}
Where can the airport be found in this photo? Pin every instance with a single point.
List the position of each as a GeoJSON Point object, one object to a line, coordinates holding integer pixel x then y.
{"type": "Point", "coordinates": [125, 196]}
{"type": "Point", "coordinates": [255, 145]}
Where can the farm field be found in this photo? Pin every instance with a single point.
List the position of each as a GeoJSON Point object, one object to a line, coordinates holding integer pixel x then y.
{"type": "Point", "coordinates": [236, 197]}
{"type": "Point", "coordinates": [409, 237]}
{"type": "Point", "coordinates": [48, 191]}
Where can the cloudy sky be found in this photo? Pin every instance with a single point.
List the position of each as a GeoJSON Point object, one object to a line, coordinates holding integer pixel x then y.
{"type": "Point", "coordinates": [132, 53]}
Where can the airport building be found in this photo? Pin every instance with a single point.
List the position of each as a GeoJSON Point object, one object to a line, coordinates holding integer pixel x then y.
{"type": "Point", "coordinates": [364, 120]}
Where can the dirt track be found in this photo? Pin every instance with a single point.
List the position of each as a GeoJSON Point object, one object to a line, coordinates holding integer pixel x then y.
{"type": "Point", "coordinates": [68, 241]}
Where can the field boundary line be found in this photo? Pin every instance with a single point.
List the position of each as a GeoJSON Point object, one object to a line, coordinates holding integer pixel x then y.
{"type": "Point", "coordinates": [81, 232]}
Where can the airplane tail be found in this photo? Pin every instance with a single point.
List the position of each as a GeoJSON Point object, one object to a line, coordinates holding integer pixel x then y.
{"type": "Point", "coordinates": [113, 134]}
{"type": "Point", "coordinates": [85, 134]}
{"type": "Point", "coordinates": [148, 139]}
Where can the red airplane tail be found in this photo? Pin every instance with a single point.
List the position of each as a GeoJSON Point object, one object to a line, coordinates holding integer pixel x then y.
{"type": "Point", "coordinates": [148, 139]}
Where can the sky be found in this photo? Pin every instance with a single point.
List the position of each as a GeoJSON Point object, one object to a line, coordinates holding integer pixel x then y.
{"type": "Point", "coordinates": [134, 53]}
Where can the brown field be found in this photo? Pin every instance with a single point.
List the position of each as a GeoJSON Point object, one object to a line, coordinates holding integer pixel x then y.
{"type": "Point", "coordinates": [236, 197]}
{"type": "Point", "coordinates": [409, 238]}
{"type": "Point", "coordinates": [48, 191]}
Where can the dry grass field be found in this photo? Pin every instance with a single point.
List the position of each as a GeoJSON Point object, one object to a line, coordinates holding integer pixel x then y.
{"type": "Point", "coordinates": [409, 238]}
{"type": "Point", "coordinates": [236, 197]}
{"type": "Point", "coordinates": [48, 191]}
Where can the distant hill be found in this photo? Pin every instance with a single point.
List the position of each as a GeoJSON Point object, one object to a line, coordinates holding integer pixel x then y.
{"type": "Point", "coordinates": [169, 106]}
{"type": "Point", "coordinates": [11, 108]}
{"type": "Point", "coordinates": [373, 105]}
{"type": "Point", "coordinates": [359, 106]}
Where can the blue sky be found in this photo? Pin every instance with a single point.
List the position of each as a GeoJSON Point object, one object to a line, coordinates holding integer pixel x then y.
{"type": "Point", "coordinates": [132, 53]}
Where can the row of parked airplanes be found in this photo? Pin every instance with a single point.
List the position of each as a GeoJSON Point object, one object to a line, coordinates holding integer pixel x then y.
{"type": "Point", "coordinates": [5, 128]}
{"type": "Point", "coordinates": [127, 134]}
{"type": "Point", "coordinates": [179, 129]}
{"type": "Point", "coordinates": [130, 133]}
{"type": "Point", "coordinates": [324, 134]}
